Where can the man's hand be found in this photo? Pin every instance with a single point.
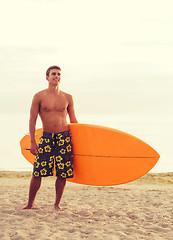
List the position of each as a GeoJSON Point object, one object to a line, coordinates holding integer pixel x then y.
{"type": "Point", "coordinates": [34, 148]}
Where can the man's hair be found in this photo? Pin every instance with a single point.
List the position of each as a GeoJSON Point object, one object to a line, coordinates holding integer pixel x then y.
{"type": "Point", "coordinates": [50, 68]}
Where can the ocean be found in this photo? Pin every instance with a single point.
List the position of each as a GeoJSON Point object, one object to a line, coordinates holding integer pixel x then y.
{"type": "Point", "coordinates": [156, 130]}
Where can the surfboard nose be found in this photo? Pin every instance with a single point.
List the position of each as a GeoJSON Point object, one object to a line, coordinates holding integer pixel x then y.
{"type": "Point", "coordinates": [105, 156]}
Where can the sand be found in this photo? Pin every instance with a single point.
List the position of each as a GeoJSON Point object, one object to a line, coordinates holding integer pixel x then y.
{"type": "Point", "coordinates": [142, 209]}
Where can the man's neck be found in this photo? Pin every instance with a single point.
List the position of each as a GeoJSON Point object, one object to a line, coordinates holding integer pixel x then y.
{"type": "Point", "coordinates": [53, 89]}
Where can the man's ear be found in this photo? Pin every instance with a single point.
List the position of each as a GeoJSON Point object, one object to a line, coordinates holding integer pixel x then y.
{"type": "Point", "coordinates": [46, 78]}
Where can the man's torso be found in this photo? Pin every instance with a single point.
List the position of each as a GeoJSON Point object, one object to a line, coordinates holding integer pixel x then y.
{"type": "Point", "coordinates": [53, 111]}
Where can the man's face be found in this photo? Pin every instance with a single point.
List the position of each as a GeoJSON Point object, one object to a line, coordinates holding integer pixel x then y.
{"type": "Point", "coordinates": [54, 76]}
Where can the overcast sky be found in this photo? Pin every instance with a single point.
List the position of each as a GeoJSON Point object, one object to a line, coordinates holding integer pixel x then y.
{"type": "Point", "coordinates": [116, 56]}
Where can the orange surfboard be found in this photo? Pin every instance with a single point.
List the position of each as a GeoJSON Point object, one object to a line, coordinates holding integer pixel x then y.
{"type": "Point", "coordinates": [103, 156]}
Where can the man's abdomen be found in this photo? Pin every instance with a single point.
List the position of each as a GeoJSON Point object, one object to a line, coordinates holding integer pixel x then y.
{"type": "Point", "coordinates": [54, 122]}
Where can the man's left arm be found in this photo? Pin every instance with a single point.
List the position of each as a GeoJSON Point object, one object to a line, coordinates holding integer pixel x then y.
{"type": "Point", "coordinates": [71, 111]}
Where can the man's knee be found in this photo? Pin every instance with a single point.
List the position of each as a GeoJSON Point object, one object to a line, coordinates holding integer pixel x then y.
{"type": "Point", "coordinates": [61, 180]}
{"type": "Point", "coordinates": [36, 180]}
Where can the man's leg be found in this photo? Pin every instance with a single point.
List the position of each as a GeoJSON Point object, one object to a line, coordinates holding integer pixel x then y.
{"type": "Point", "coordinates": [34, 187]}
{"type": "Point", "coordinates": [59, 187]}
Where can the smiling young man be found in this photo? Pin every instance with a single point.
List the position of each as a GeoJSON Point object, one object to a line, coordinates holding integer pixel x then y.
{"type": "Point", "coordinates": [55, 146]}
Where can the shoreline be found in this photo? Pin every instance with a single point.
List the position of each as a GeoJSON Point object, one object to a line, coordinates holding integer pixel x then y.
{"type": "Point", "coordinates": [149, 178]}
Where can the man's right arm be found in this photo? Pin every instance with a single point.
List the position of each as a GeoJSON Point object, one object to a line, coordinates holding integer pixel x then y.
{"type": "Point", "coordinates": [32, 122]}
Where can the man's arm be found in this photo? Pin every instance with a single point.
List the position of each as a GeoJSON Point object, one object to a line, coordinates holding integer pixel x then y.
{"type": "Point", "coordinates": [71, 111]}
{"type": "Point", "coordinates": [32, 122]}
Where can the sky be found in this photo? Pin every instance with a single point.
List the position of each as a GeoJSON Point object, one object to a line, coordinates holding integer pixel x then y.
{"type": "Point", "coordinates": [115, 51]}
{"type": "Point", "coordinates": [116, 56]}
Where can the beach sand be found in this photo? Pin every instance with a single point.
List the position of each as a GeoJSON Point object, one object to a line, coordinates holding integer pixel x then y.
{"type": "Point", "coordinates": [142, 209]}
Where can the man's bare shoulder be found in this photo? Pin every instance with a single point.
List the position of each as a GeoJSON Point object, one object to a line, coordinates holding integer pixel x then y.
{"type": "Point", "coordinates": [40, 93]}
{"type": "Point", "coordinates": [67, 95]}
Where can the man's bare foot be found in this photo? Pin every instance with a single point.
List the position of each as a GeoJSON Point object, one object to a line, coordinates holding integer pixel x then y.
{"type": "Point", "coordinates": [57, 207]}
{"type": "Point", "coordinates": [27, 207]}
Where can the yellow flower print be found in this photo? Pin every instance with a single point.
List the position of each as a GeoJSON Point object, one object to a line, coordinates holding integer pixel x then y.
{"type": "Point", "coordinates": [59, 159]}
{"type": "Point", "coordinates": [59, 135]}
{"type": "Point", "coordinates": [50, 164]}
{"type": "Point", "coordinates": [36, 174]}
{"type": "Point", "coordinates": [61, 165]}
{"type": "Point", "coordinates": [43, 164]}
{"type": "Point", "coordinates": [63, 175]}
{"type": "Point", "coordinates": [46, 140]}
{"type": "Point", "coordinates": [68, 163]}
{"type": "Point", "coordinates": [68, 148]}
{"type": "Point", "coordinates": [47, 148]}
{"type": "Point", "coordinates": [40, 150]}
{"type": "Point", "coordinates": [61, 142]}
{"type": "Point", "coordinates": [52, 159]}
{"type": "Point", "coordinates": [62, 151]}
{"type": "Point", "coordinates": [67, 139]}
{"type": "Point", "coordinates": [43, 171]}
{"type": "Point", "coordinates": [41, 141]}
{"type": "Point", "coordinates": [36, 158]}
{"type": "Point", "coordinates": [70, 172]}
{"type": "Point", "coordinates": [37, 164]}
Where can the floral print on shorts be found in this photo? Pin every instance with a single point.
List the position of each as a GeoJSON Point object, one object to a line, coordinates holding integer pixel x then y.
{"type": "Point", "coordinates": [54, 152]}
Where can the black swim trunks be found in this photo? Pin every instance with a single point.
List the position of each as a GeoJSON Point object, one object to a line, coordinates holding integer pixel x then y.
{"type": "Point", "coordinates": [54, 152]}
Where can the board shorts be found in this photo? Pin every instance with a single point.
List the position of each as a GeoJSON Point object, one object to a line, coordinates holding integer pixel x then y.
{"type": "Point", "coordinates": [54, 153]}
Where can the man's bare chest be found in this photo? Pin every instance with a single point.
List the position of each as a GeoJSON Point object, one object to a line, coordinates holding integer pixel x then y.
{"type": "Point", "coordinates": [50, 103]}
